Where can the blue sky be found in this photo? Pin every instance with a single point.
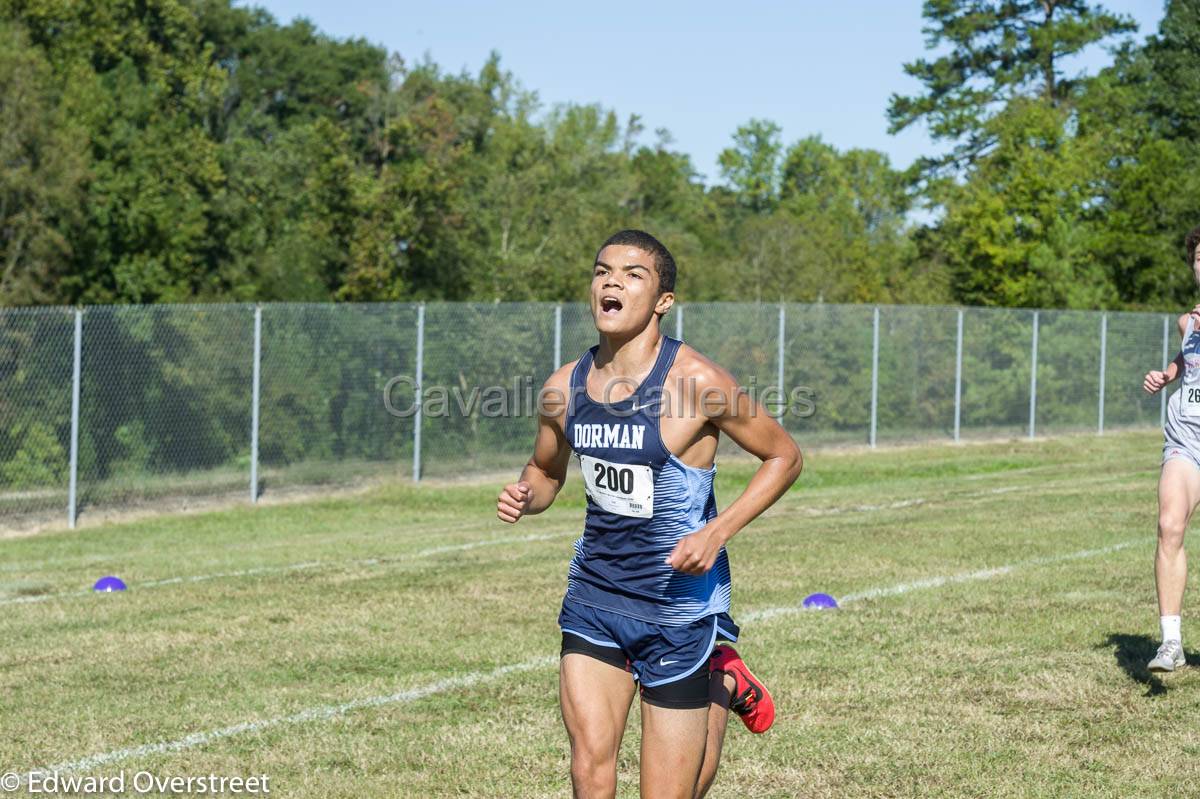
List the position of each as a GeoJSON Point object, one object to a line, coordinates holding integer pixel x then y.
{"type": "Point", "coordinates": [697, 68]}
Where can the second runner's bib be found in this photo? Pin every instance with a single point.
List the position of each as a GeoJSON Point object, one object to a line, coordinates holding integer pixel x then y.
{"type": "Point", "coordinates": [1189, 389]}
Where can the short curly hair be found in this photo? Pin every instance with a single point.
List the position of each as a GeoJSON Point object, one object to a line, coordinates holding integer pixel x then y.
{"type": "Point", "coordinates": [1191, 242]}
{"type": "Point", "coordinates": [664, 262]}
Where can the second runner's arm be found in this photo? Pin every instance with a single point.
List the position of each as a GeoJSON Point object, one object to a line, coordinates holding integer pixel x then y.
{"type": "Point", "coordinates": [1156, 380]}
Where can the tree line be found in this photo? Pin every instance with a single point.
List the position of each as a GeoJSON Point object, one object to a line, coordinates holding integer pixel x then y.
{"type": "Point", "coordinates": [195, 151]}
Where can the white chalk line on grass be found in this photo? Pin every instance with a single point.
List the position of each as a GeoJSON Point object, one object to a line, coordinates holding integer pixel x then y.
{"type": "Point", "coordinates": [948, 499]}
{"type": "Point", "coordinates": [313, 564]}
{"type": "Point", "coordinates": [424, 553]}
{"type": "Point", "coordinates": [326, 712]}
{"type": "Point", "coordinates": [322, 713]}
{"type": "Point", "coordinates": [904, 503]}
{"type": "Point", "coordinates": [445, 549]}
{"type": "Point", "coordinates": [939, 581]}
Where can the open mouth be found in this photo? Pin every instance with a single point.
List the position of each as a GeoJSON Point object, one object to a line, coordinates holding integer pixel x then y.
{"type": "Point", "coordinates": [610, 305]}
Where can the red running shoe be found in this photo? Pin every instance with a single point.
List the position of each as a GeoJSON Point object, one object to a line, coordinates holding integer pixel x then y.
{"type": "Point", "coordinates": [751, 700]}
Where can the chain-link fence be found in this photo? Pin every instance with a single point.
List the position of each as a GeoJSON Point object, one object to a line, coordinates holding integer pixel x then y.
{"type": "Point", "coordinates": [111, 408]}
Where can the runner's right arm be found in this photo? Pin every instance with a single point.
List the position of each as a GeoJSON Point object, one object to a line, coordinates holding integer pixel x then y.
{"type": "Point", "coordinates": [1156, 380]}
{"type": "Point", "coordinates": [545, 473]}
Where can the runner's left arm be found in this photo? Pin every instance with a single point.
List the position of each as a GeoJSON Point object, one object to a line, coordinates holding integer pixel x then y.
{"type": "Point", "coordinates": [731, 409]}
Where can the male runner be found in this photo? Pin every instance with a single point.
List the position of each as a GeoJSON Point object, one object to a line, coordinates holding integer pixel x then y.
{"type": "Point", "coordinates": [649, 587]}
{"type": "Point", "coordinates": [1179, 480]}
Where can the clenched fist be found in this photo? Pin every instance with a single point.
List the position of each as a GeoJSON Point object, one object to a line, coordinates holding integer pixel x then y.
{"type": "Point", "coordinates": [512, 502]}
{"type": "Point", "coordinates": [1154, 382]}
{"type": "Point", "coordinates": [695, 553]}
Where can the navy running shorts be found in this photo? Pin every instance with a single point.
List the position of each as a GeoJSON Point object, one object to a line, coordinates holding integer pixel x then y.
{"type": "Point", "coordinates": [669, 662]}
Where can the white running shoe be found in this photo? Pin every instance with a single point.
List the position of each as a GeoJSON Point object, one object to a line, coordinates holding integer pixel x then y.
{"type": "Point", "coordinates": [1169, 657]}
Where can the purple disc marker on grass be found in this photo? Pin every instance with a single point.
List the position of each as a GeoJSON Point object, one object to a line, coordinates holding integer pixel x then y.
{"type": "Point", "coordinates": [819, 602]}
{"type": "Point", "coordinates": [109, 584]}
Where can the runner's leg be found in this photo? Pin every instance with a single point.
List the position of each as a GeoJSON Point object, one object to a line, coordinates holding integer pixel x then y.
{"type": "Point", "coordinates": [1178, 493]}
{"type": "Point", "coordinates": [720, 687]}
{"type": "Point", "coordinates": [595, 697]}
{"type": "Point", "coordinates": [673, 746]}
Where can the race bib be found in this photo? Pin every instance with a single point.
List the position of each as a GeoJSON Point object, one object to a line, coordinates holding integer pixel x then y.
{"type": "Point", "coordinates": [1189, 391]}
{"type": "Point", "coordinates": [1189, 400]}
{"type": "Point", "coordinates": [620, 488]}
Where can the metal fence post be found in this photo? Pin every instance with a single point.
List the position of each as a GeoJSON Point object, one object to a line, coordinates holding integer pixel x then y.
{"type": "Point", "coordinates": [416, 464]}
{"type": "Point", "coordinates": [76, 373]}
{"type": "Point", "coordinates": [1103, 360]}
{"type": "Point", "coordinates": [1162, 399]}
{"type": "Point", "coordinates": [557, 336]}
{"type": "Point", "coordinates": [1033, 358]}
{"type": "Point", "coordinates": [958, 377]}
{"type": "Point", "coordinates": [254, 403]}
{"type": "Point", "coordinates": [679, 321]}
{"type": "Point", "coordinates": [874, 374]}
{"type": "Point", "coordinates": [779, 373]}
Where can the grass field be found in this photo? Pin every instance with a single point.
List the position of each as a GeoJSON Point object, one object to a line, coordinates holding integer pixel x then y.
{"type": "Point", "coordinates": [401, 643]}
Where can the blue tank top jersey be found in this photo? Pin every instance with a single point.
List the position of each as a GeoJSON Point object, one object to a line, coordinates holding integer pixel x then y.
{"type": "Point", "coordinates": [641, 500]}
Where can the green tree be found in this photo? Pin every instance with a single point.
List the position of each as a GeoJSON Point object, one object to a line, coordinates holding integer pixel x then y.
{"type": "Point", "coordinates": [1021, 231]}
{"type": "Point", "coordinates": [998, 51]}
{"type": "Point", "coordinates": [549, 196]}
{"type": "Point", "coordinates": [1170, 73]}
{"type": "Point", "coordinates": [141, 83]}
{"type": "Point", "coordinates": [1147, 109]}
{"type": "Point", "coordinates": [848, 214]}
{"type": "Point", "coordinates": [751, 165]}
{"type": "Point", "coordinates": [41, 183]}
{"type": "Point", "coordinates": [1020, 188]}
{"type": "Point", "coordinates": [669, 198]}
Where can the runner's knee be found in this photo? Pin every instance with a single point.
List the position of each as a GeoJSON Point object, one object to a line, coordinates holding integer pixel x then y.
{"type": "Point", "coordinates": [1171, 527]}
{"type": "Point", "coordinates": [593, 767]}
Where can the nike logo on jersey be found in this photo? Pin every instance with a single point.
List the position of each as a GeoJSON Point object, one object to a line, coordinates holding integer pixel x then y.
{"type": "Point", "coordinates": [612, 436]}
{"type": "Point", "coordinates": [662, 662]}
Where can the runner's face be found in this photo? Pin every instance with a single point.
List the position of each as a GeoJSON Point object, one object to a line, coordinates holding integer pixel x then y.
{"type": "Point", "coordinates": [624, 290]}
{"type": "Point", "coordinates": [1196, 265]}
